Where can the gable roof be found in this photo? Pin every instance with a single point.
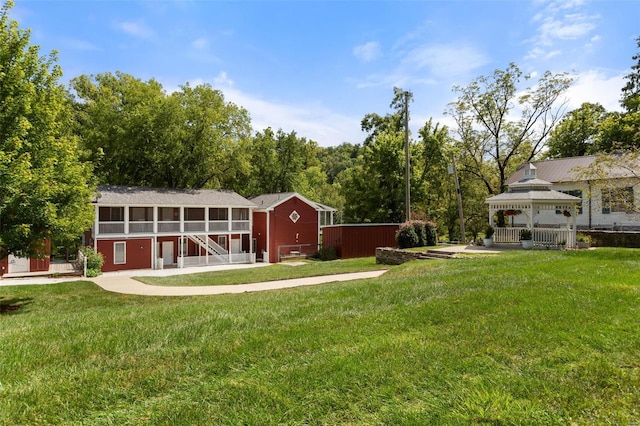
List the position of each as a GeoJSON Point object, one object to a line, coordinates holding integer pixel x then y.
{"type": "Point", "coordinates": [271, 201]}
{"type": "Point", "coordinates": [562, 170]}
{"type": "Point", "coordinates": [142, 196]}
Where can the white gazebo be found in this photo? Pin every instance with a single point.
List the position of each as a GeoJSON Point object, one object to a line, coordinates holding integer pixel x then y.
{"type": "Point", "coordinates": [529, 196]}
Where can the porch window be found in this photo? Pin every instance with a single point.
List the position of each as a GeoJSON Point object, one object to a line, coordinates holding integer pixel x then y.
{"type": "Point", "coordinates": [239, 219]}
{"type": "Point", "coordinates": [168, 214]}
{"type": "Point", "coordinates": [218, 214]}
{"type": "Point", "coordinates": [194, 214]}
{"type": "Point", "coordinates": [575, 193]}
{"type": "Point", "coordinates": [240, 214]}
{"type": "Point", "coordinates": [119, 253]}
{"type": "Point", "coordinates": [111, 214]}
{"type": "Point", "coordinates": [617, 200]}
{"type": "Point", "coordinates": [140, 214]}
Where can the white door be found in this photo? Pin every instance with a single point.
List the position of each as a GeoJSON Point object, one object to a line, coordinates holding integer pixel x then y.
{"type": "Point", "coordinates": [167, 253]}
{"type": "Point", "coordinates": [235, 246]}
{"type": "Point", "coordinates": [18, 264]}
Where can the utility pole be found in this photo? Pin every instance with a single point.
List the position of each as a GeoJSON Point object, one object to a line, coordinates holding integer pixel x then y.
{"type": "Point", "coordinates": [407, 165]}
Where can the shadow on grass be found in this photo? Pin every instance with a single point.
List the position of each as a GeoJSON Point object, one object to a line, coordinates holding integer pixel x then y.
{"type": "Point", "coordinates": [14, 306]}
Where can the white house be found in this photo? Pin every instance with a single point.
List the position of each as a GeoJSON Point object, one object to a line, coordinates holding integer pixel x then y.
{"type": "Point", "coordinates": [609, 203]}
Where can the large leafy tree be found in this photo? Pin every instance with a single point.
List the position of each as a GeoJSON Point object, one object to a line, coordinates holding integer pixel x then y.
{"type": "Point", "coordinates": [192, 138]}
{"type": "Point", "coordinates": [577, 133]}
{"type": "Point", "coordinates": [45, 187]}
{"type": "Point", "coordinates": [500, 124]}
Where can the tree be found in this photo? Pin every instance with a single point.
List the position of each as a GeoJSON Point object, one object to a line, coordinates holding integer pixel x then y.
{"type": "Point", "coordinates": [45, 186]}
{"type": "Point", "coordinates": [189, 139]}
{"type": "Point", "coordinates": [577, 133]}
{"type": "Point", "coordinates": [621, 130]}
{"type": "Point", "coordinates": [495, 142]}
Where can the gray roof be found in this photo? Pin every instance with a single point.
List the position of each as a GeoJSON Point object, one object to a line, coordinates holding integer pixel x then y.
{"type": "Point", "coordinates": [270, 201]}
{"type": "Point", "coordinates": [142, 196]}
{"type": "Point", "coordinates": [533, 196]}
{"type": "Point", "coordinates": [562, 170]}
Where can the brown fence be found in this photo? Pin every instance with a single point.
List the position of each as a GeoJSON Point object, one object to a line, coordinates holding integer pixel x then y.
{"type": "Point", "coordinates": [359, 240]}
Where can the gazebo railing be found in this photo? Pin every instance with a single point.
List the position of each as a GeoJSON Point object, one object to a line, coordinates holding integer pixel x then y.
{"type": "Point", "coordinates": [541, 236]}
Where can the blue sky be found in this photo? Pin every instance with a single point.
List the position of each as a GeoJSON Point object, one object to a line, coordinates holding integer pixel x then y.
{"type": "Point", "coordinates": [317, 67]}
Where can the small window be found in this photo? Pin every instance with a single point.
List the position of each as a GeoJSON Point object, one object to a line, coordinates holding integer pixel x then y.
{"type": "Point", "coordinates": [141, 214]}
{"type": "Point", "coordinates": [575, 193]}
{"type": "Point", "coordinates": [119, 253]}
{"type": "Point", "coordinates": [617, 200]}
{"type": "Point", "coordinates": [111, 214]}
{"type": "Point", "coordinates": [218, 214]}
{"type": "Point", "coordinates": [240, 214]}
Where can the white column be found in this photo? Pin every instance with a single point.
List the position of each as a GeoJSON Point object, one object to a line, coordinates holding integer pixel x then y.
{"type": "Point", "coordinates": [126, 219]}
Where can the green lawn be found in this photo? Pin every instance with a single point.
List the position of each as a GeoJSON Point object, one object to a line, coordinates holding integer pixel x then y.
{"type": "Point", "coordinates": [525, 337]}
{"type": "Point", "coordinates": [280, 271]}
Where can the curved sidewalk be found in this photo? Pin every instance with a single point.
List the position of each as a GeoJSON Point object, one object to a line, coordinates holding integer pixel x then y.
{"type": "Point", "coordinates": [127, 285]}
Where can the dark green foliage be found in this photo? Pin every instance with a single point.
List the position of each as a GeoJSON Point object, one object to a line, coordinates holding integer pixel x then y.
{"type": "Point", "coordinates": [327, 253]}
{"type": "Point", "coordinates": [431, 233]}
{"type": "Point", "coordinates": [525, 234]}
{"type": "Point", "coordinates": [488, 233]}
{"type": "Point", "coordinates": [418, 227]}
{"type": "Point", "coordinates": [406, 236]}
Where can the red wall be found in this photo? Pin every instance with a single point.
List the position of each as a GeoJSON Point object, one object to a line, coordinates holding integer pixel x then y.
{"type": "Point", "coordinates": [284, 232]}
{"type": "Point", "coordinates": [4, 264]}
{"type": "Point", "coordinates": [138, 254]}
{"type": "Point", "coordinates": [260, 232]}
{"type": "Point", "coordinates": [359, 240]}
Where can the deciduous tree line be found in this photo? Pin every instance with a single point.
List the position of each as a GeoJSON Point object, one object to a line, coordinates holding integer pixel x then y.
{"type": "Point", "coordinates": [57, 144]}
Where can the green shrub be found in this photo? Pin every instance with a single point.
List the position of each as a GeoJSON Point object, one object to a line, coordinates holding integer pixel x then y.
{"type": "Point", "coordinates": [406, 236]}
{"type": "Point", "coordinates": [94, 261]}
{"type": "Point", "coordinates": [418, 227]}
{"type": "Point", "coordinates": [488, 233]}
{"type": "Point", "coordinates": [431, 233]}
{"type": "Point", "coordinates": [327, 253]}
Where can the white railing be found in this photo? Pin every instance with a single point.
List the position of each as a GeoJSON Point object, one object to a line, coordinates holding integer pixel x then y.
{"type": "Point", "coordinates": [243, 258]}
{"type": "Point", "coordinates": [542, 237]}
{"type": "Point", "coordinates": [203, 260]}
{"type": "Point", "coordinates": [194, 226]}
{"type": "Point", "coordinates": [218, 225]}
{"type": "Point", "coordinates": [168, 226]}
{"type": "Point", "coordinates": [240, 225]}
{"type": "Point", "coordinates": [140, 227]}
{"type": "Point", "coordinates": [111, 228]}
{"type": "Point", "coordinates": [507, 235]}
{"type": "Point", "coordinates": [209, 245]}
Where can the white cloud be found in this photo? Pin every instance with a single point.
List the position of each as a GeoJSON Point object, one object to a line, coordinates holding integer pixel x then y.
{"type": "Point", "coordinates": [595, 87]}
{"type": "Point", "coordinates": [75, 44]}
{"type": "Point", "coordinates": [200, 43]}
{"type": "Point", "coordinates": [222, 79]}
{"type": "Point", "coordinates": [445, 59]}
{"type": "Point", "coordinates": [136, 29]}
{"type": "Point", "coordinates": [569, 27]}
{"type": "Point", "coordinates": [367, 52]}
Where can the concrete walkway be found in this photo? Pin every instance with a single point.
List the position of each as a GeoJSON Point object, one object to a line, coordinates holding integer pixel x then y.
{"type": "Point", "coordinates": [127, 285]}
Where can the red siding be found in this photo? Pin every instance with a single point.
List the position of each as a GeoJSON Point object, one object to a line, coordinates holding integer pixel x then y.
{"type": "Point", "coordinates": [260, 233]}
{"type": "Point", "coordinates": [137, 256]}
{"type": "Point", "coordinates": [359, 240]}
{"type": "Point", "coordinates": [284, 232]}
{"type": "Point", "coordinates": [4, 264]}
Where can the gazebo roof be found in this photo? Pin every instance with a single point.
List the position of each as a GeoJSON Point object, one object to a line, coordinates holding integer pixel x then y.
{"type": "Point", "coordinates": [531, 190]}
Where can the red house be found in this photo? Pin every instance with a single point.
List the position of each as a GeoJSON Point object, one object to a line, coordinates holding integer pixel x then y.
{"type": "Point", "coordinates": [288, 224]}
{"type": "Point", "coordinates": [16, 265]}
{"type": "Point", "coordinates": [154, 228]}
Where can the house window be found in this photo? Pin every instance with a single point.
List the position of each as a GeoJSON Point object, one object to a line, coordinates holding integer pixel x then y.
{"type": "Point", "coordinates": [111, 214]}
{"type": "Point", "coordinates": [240, 214]}
{"type": "Point", "coordinates": [169, 214]}
{"type": "Point", "coordinates": [193, 214]}
{"type": "Point", "coordinates": [141, 214]}
{"type": "Point", "coordinates": [617, 200]}
{"type": "Point", "coordinates": [575, 193]}
{"type": "Point", "coordinates": [119, 253]}
{"type": "Point", "coordinates": [218, 214]}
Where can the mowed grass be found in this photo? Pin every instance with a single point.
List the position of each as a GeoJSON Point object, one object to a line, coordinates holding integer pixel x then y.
{"type": "Point", "coordinates": [527, 337]}
{"type": "Point", "coordinates": [279, 271]}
